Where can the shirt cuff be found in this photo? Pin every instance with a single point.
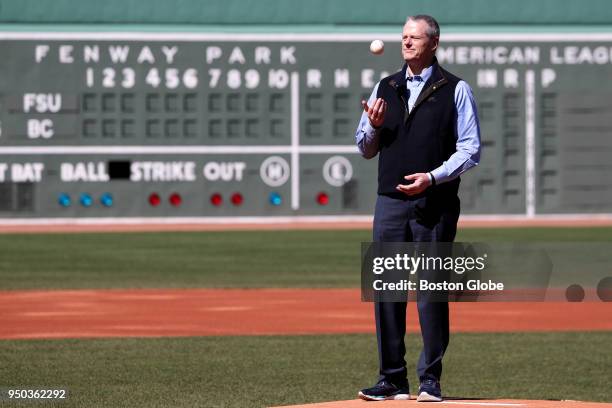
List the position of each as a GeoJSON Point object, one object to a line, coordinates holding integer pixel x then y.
{"type": "Point", "coordinates": [368, 129]}
{"type": "Point", "coordinates": [440, 175]}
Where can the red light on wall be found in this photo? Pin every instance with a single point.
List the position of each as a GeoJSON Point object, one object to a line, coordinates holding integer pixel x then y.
{"type": "Point", "coordinates": [175, 199]}
{"type": "Point", "coordinates": [237, 199]}
{"type": "Point", "coordinates": [154, 199]}
{"type": "Point", "coordinates": [322, 199]}
{"type": "Point", "coordinates": [216, 199]}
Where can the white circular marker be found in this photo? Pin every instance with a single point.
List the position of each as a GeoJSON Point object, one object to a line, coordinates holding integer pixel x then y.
{"type": "Point", "coordinates": [337, 171]}
{"type": "Point", "coordinates": [274, 171]}
{"type": "Point", "coordinates": [377, 47]}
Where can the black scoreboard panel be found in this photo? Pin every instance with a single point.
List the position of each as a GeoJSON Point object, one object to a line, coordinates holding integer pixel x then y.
{"type": "Point", "coordinates": [149, 125]}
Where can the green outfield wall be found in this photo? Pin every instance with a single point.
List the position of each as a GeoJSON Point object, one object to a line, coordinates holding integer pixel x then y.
{"type": "Point", "coordinates": [210, 109]}
{"type": "Point", "coordinates": [285, 12]}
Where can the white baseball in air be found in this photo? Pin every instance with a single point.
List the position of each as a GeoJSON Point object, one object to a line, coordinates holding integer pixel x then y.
{"type": "Point", "coordinates": [377, 47]}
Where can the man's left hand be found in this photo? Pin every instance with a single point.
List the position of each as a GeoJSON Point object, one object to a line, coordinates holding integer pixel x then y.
{"type": "Point", "coordinates": [420, 182]}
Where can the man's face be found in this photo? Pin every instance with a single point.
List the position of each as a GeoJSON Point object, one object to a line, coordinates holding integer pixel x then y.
{"type": "Point", "coordinates": [416, 45]}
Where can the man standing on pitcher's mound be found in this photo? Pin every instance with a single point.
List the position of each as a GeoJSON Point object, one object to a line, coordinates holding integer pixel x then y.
{"type": "Point", "coordinates": [422, 122]}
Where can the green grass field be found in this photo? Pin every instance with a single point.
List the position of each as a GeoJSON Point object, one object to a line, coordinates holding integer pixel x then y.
{"type": "Point", "coordinates": [263, 371]}
{"type": "Point", "coordinates": [213, 259]}
{"type": "Point", "coordinates": [253, 371]}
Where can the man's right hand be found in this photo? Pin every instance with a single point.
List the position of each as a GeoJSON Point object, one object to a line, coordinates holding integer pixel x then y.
{"type": "Point", "coordinates": [376, 112]}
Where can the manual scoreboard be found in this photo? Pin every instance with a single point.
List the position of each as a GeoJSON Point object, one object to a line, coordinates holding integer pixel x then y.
{"type": "Point", "coordinates": [204, 125]}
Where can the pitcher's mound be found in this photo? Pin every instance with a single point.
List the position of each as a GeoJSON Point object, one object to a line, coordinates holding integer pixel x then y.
{"type": "Point", "coordinates": [455, 403]}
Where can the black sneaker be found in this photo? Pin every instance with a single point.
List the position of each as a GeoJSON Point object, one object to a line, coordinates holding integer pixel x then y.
{"type": "Point", "coordinates": [429, 391]}
{"type": "Point", "coordinates": [384, 390]}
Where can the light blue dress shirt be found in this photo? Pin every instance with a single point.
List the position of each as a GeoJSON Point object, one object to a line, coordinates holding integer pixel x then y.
{"type": "Point", "coordinates": [467, 153]}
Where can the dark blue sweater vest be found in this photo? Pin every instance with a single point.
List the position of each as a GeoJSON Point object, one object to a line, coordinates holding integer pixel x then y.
{"type": "Point", "coordinates": [419, 141]}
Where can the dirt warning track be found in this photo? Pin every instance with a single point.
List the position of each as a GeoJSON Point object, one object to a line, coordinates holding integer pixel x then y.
{"type": "Point", "coordinates": [210, 312]}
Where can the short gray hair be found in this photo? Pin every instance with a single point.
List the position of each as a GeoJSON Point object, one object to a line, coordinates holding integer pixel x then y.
{"type": "Point", "coordinates": [433, 29]}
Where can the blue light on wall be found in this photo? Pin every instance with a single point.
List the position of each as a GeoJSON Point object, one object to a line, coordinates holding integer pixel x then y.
{"type": "Point", "coordinates": [106, 199]}
{"type": "Point", "coordinates": [86, 200]}
{"type": "Point", "coordinates": [64, 200]}
{"type": "Point", "coordinates": [275, 199]}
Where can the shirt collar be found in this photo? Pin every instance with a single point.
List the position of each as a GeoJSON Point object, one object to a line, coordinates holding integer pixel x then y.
{"type": "Point", "coordinates": [425, 74]}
